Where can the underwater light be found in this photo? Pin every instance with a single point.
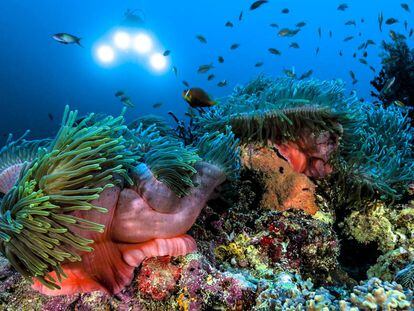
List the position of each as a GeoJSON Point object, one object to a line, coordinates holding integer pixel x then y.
{"type": "Point", "coordinates": [106, 54]}
{"type": "Point", "coordinates": [122, 40]}
{"type": "Point", "coordinates": [158, 61]}
{"type": "Point", "coordinates": [142, 43]}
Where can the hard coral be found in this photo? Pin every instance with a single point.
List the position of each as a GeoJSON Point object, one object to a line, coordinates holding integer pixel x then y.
{"type": "Point", "coordinates": [377, 295]}
{"type": "Point", "coordinates": [284, 188]}
{"type": "Point", "coordinates": [158, 277]}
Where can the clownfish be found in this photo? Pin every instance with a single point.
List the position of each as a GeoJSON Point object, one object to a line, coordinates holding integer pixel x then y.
{"type": "Point", "coordinates": [197, 97]}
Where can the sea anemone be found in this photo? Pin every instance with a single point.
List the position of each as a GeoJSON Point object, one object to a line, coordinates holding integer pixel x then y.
{"type": "Point", "coordinates": [36, 221]}
{"type": "Point", "coordinates": [405, 277]}
{"type": "Point", "coordinates": [101, 190]}
{"type": "Point", "coordinates": [303, 119]}
{"type": "Point", "coordinates": [379, 161]}
{"type": "Point", "coordinates": [13, 156]}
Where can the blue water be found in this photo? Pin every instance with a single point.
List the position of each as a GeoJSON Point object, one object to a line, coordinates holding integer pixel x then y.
{"type": "Point", "coordinates": [39, 76]}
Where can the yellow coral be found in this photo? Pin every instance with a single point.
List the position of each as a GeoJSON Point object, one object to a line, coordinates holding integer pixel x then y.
{"type": "Point", "coordinates": [372, 225]}
{"type": "Point", "coordinates": [244, 252]}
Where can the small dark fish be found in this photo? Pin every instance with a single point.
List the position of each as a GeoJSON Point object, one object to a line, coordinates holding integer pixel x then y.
{"type": "Point", "coordinates": [127, 102]}
{"type": "Point", "coordinates": [285, 11]}
{"type": "Point", "coordinates": [405, 25]}
{"type": "Point", "coordinates": [201, 38]}
{"type": "Point", "coordinates": [320, 32]}
{"type": "Point", "coordinates": [258, 64]}
{"type": "Point", "coordinates": [351, 22]}
{"type": "Point", "coordinates": [365, 54]}
{"type": "Point", "coordinates": [354, 55]}
{"type": "Point", "coordinates": [222, 83]}
{"type": "Point", "coordinates": [274, 51]}
{"type": "Point", "coordinates": [50, 116]}
{"type": "Point", "coordinates": [362, 46]}
{"type": "Point", "coordinates": [388, 85]}
{"type": "Point", "coordinates": [399, 103]}
{"type": "Point", "coordinates": [380, 20]}
{"type": "Point", "coordinates": [405, 7]}
{"type": "Point", "coordinates": [369, 42]}
{"type": "Point", "coordinates": [396, 36]}
{"type": "Point", "coordinates": [363, 61]}
{"type": "Point", "coordinates": [362, 20]}
{"type": "Point", "coordinates": [372, 69]}
{"type": "Point", "coordinates": [157, 105]}
{"type": "Point", "coordinates": [220, 59]}
{"type": "Point", "coordinates": [119, 94]}
{"type": "Point", "coordinates": [352, 74]}
{"type": "Point", "coordinates": [342, 7]}
{"type": "Point", "coordinates": [411, 32]}
{"type": "Point", "coordinates": [234, 46]}
{"type": "Point", "coordinates": [241, 16]}
{"type": "Point", "coordinates": [317, 50]}
{"type": "Point", "coordinates": [340, 53]}
{"type": "Point", "coordinates": [274, 25]}
{"type": "Point", "coordinates": [175, 70]}
{"type": "Point", "coordinates": [286, 32]}
{"type": "Point", "coordinates": [204, 68]}
{"type": "Point", "coordinates": [229, 24]}
{"type": "Point", "coordinates": [294, 45]}
{"type": "Point", "coordinates": [330, 33]}
{"type": "Point", "coordinates": [391, 21]}
{"type": "Point", "coordinates": [66, 38]}
{"type": "Point", "coordinates": [257, 4]}
{"type": "Point", "coordinates": [186, 83]}
{"type": "Point", "coordinates": [306, 75]}
{"type": "Point", "coordinates": [211, 77]}
{"type": "Point", "coordinates": [349, 38]}
{"type": "Point", "coordinates": [166, 53]}
{"type": "Point", "coordinates": [300, 24]}
{"type": "Point", "coordinates": [197, 97]}
{"type": "Point", "coordinates": [290, 73]}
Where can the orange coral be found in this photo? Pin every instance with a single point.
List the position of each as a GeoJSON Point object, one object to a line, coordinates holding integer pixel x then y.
{"type": "Point", "coordinates": [284, 188]}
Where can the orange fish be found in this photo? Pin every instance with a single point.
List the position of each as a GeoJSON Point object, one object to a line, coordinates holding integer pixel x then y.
{"type": "Point", "coordinates": [197, 97]}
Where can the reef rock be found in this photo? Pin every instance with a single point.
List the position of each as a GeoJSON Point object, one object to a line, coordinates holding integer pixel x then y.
{"type": "Point", "coordinates": [284, 188]}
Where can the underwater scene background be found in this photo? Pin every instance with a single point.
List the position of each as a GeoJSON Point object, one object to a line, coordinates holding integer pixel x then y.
{"type": "Point", "coordinates": [206, 155]}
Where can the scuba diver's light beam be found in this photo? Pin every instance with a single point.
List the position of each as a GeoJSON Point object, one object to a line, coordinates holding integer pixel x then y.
{"type": "Point", "coordinates": [143, 43]}
{"type": "Point", "coordinates": [158, 61]}
{"type": "Point", "coordinates": [122, 40]}
{"type": "Point", "coordinates": [105, 54]}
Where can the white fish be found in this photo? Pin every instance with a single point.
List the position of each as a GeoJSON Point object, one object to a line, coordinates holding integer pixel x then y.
{"type": "Point", "coordinates": [66, 38]}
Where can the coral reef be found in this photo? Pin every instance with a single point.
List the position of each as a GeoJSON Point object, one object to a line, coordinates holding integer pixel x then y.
{"type": "Point", "coordinates": [273, 185]}
{"type": "Point", "coordinates": [158, 277]}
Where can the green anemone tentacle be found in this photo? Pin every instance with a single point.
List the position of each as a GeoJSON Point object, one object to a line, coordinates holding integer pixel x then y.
{"type": "Point", "coordinates": [280, 109]}
{"type": "Point", "coordinates": [222, 150]}
{"type": "Point", "coordinates": [36, 220]}
{"type": "Point", "coordinates": [169, 160]}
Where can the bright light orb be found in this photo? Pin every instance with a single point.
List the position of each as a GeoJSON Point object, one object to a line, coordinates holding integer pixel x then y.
{"type": "Point", "coordinates": [143, 43]}
{"type": "Point", "coordinates": [122, 40]}
{"type": "Point", "coordinates": [106, 54]}
{"type": "Point", "coordinates": [158, 61]}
